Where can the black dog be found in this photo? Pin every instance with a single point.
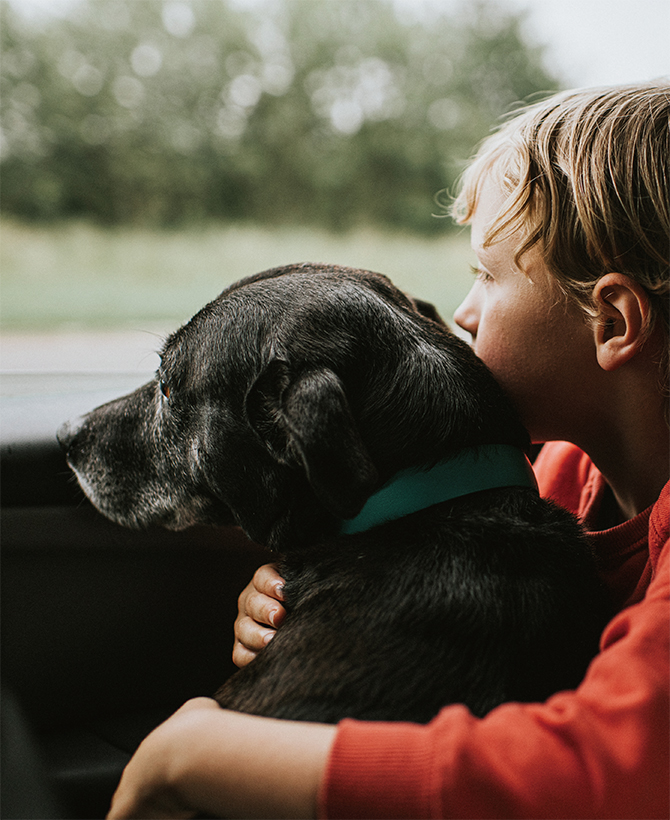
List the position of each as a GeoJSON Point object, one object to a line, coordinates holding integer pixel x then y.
{"type": "Point", "coordinates": [284, 406]}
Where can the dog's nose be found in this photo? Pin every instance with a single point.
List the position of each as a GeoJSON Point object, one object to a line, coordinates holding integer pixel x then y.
{"type": "Point", "coordinates": [67, 433]}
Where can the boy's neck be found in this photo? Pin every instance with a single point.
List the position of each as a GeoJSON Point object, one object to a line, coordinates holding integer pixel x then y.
{"type": "Point", "coordinates": [633, 497]}
{"type": "Point", "coordinates": [634, 456]}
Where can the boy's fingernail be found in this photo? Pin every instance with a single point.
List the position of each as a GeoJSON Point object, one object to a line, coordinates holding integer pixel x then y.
{"type": "Point", "coordinates": [272, 616]}
{"type": "Point", "coordinates": [267, 638]}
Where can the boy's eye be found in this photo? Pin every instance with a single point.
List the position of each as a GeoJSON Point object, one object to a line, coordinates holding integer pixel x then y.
{"type": "Point", "coordinates": [482, 275]}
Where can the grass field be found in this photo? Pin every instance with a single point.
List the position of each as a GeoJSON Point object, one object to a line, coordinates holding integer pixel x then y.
{"type": "Point", "coordinates": [76, 276]}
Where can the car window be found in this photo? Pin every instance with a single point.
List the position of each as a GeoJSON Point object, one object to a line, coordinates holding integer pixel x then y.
{"type": "Point", "coordinates": [48, 378]}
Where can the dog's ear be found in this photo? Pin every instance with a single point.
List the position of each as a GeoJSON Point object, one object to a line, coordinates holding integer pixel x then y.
{"type": "Point", "coordinates": [428, 310]}
{"type": "Point", "coordinates": [324, 434]}
{"type": "Point", "coordinates": [263, 407]}
{"type": "Point", "coordinates": [308, 417]}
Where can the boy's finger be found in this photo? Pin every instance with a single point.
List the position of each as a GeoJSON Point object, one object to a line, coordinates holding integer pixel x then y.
{"type": "Point", "coordinates": [241, 655]}
{"type": "Point", "coordinates": [269, 582]}
{"type": "Point", "coordinates": [264, 610]}
{"type": "Point", "coordinates": [252, 635]}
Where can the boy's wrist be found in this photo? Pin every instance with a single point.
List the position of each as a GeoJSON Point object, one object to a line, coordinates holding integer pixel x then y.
{"type": "Point", "coordinates": [232, 764]}
{"type": "Point", "coordinates": [207, 759]}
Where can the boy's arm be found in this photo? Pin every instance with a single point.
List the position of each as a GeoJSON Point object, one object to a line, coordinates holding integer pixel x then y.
{"type": "Point", "coordinates": [600, 751]}
{"type": "Point", "coordinates": [206, 759]}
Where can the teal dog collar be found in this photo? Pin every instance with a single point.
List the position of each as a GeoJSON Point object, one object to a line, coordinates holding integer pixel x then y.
{"type": "Point", "coordinates": [470, 471]}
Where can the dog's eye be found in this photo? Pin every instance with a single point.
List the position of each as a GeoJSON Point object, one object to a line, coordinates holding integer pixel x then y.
{"type": "Point", "coordinates": [164, 387]}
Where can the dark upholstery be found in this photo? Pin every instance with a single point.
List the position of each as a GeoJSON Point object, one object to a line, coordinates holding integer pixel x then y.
{"type": "Point", "coordinates": [105, 631]}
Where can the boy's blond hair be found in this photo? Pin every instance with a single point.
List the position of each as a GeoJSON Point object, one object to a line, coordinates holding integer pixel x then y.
{"type": "Point", "coordinates": [585, 175]}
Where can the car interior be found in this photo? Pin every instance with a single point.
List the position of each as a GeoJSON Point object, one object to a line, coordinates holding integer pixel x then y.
{"type": "Point", "coordinates": [105, 630]}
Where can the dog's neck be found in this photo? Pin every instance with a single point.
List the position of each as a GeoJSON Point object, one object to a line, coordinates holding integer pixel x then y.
{"type": "Point", "coordinates": [486, 467]}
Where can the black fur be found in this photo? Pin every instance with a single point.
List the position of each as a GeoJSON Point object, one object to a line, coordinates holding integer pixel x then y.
{"type": "Point", "coordinates": [282, 406]}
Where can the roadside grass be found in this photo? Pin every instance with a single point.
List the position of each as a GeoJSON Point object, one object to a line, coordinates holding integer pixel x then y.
{"type": "Point", "coordinates": [77, 276]}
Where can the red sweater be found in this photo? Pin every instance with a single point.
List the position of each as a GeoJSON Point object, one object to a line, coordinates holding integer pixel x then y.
{"type": "Point", "coordinates": [600, 751]}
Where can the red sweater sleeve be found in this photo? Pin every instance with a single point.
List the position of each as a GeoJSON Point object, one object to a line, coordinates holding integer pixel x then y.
{"type": "Point", "coordinates": [600, 751]}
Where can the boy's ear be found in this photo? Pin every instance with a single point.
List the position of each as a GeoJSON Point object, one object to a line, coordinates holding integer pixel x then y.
{"type": "Point", "coordinates": [623, 319]}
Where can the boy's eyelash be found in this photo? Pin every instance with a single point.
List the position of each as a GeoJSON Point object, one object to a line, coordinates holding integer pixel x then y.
{"type": "Point", "coordinates": [482, 275]}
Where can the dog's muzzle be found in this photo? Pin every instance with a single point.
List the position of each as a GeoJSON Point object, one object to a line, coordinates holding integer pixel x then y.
{"type": "Point", "coordinates": [67, 434]}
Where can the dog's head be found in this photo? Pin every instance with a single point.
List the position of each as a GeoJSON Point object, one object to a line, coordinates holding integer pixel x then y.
{"type": "Point", "coordinates": [284, 404]}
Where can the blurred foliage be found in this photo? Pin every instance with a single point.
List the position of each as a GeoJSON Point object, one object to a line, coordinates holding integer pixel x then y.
{"type": "Point", "coordinates": [329, 112]}
{"type": "Point", "coordinates": [76, 275]}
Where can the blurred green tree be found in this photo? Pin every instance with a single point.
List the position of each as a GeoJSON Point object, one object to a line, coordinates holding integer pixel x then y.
{"type": "Point", "coordinates": [332, 112]}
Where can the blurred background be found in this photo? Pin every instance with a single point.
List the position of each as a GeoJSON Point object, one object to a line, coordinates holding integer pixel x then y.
{"type": "Point", "coordinates": [153, 151]}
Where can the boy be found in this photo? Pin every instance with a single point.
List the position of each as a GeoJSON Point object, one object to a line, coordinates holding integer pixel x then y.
{"type": "Point", "coordinates": [568, 206]}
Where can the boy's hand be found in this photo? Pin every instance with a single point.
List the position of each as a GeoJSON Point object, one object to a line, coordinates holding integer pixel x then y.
{"type": "Point", "coordinates": [145, 789]}
{"type": "Point", "coordinates": [207, 760]}
{"type": "Point", "coordinates": [259, 614]}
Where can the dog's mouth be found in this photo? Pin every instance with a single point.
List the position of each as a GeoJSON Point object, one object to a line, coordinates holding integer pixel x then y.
{"type": "Point", "coordinates": [139, 507]}
{"type": "Point", "coordinates": [147, 511]}
{"type": "Point", "coordinates": [132, 481]}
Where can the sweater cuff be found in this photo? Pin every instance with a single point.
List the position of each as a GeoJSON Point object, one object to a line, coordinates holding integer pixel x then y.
{"type": "Point", "coordinates": [353, 787]}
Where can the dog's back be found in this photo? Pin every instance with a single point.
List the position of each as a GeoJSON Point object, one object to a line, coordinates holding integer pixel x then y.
{"type": "Point", "coordinates": [482, 600]}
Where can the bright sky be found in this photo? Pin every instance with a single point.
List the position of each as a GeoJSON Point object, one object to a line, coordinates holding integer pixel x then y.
{"type": "Point", "coordinates": [602, 42]}
{"type": "Point", "coordinates": [589, 42]}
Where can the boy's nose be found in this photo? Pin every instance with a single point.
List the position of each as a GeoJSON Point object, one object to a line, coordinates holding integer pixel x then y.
{"type": "Point", "coordinates": [467, 314]}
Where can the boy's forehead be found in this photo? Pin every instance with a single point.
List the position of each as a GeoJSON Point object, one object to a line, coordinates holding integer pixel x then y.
{"type": "Point", "coordinates": [497, 254]}
{"type": "Point", "coordinates": [490, 202]}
